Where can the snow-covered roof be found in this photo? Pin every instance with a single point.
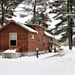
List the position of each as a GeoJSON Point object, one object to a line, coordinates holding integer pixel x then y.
{"type": "Point", "coordinates": [10, 51]}
{"type": "Point", "coordinates": [21, 25]}
{"type": "Point", "coordinates": [26, 27]}
{"type": "Point", "coordinates": [48, 34]}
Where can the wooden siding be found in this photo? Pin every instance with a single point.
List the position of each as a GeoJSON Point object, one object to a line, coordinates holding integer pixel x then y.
{"type": "Point", "coordinates": [22, 36]}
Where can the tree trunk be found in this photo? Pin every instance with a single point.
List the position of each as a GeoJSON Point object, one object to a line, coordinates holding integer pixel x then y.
{"type": "Point", "coordinates": [2, 13]}
{"type": "Point", "coordinates": [34, 13]}
{"type": "Point", "coordinates": [70, 22]}
{"type": "Point", "coordinates": [70, 33]}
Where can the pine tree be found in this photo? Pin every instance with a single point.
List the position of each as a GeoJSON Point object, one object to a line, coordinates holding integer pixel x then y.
{"type": "Point", "coordinates": [65, 11]}
{"type": "Point", "coordinates": [37, 9]}
{"type": "Point", "coordinates": [6, 9]}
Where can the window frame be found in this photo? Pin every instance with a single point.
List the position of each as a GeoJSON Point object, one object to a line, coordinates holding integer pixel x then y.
{"type": "Point", "coordinates": [10, 40]}
{"type": "Point", "coordinates": [32, 36]}
{"type": "Point", "coordinates": [39, 38]}
{"type": "Point", "coordinates": [40, 29]}
{"type": "Point", "coordinates": [44, 41]}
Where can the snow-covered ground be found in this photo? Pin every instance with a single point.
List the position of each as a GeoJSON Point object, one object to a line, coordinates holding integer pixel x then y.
{"type": "Point", "coordinates": [44, 65]}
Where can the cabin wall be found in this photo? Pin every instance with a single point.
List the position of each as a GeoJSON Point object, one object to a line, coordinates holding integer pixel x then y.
{"type": "Point", "coordinates": [33, 44]}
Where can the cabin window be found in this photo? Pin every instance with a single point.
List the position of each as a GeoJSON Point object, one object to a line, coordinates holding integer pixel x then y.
{"type": "Point", "coordinates": [40, 29]}
{"type": "Point", "coordinates": [32, 36]}
{"type": "Point", "coordinates": [44, 44]}
{"type": "Point", "coordinates": [39, 38]}
{"type": "Point", "coordinates": [44, 41]}
{"type": "Point", "coordinates": [13, 39]}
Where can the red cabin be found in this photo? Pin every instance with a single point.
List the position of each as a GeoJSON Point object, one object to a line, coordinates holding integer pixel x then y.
{"type": "Point", "coordinates": [25, 38]}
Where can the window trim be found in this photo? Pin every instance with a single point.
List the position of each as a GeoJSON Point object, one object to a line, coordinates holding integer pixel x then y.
{"type": "Point", "coordinates": [40, 30]}
{"type": "Point", "coordinates": [39, 38]}
{"type": "Point", "coordinates": [44, 44]}
{"type": "Point", "coordinates": [32, 36]}
{"type": "Point", "coordinates": [9, 40]}
{"type": "Point", "coordinates": [44, 41]}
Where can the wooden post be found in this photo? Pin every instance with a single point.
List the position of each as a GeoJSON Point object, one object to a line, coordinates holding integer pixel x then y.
{"type": "Point", "coordinates": [37, 52]}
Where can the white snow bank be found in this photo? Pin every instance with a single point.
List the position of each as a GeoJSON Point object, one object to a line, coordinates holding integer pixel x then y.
{"type": "Point", "coordinates": [66, 49]}
{"type": "Point", "coordinates": [70, 56]}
